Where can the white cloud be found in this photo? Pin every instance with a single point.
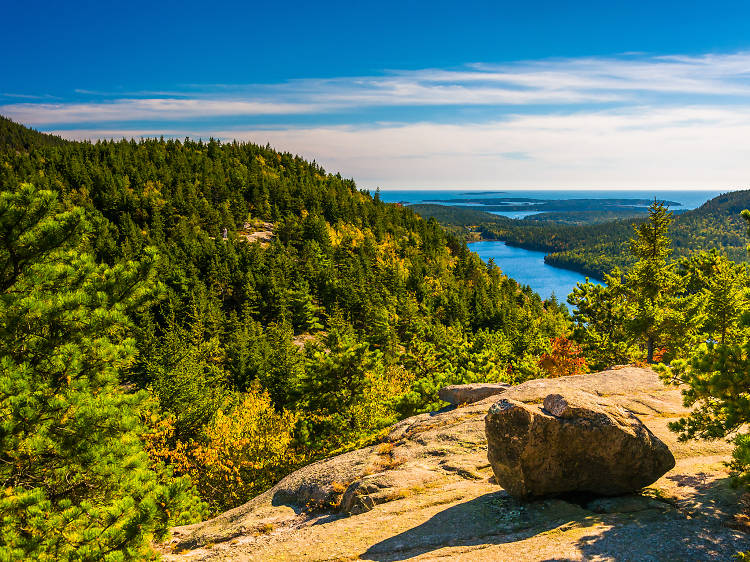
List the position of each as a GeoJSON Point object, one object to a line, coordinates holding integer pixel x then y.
{"type": "Point", "coordinates": [619, 81]}
{"type": "Point", "coordinates": [144, 109]}
{"type": "Point", "coordinates": [648, 135]}
{"type": "Point", "coordinates": [690, 147]}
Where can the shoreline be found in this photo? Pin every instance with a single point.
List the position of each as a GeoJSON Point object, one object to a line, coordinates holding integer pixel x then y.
{"type": "Point", "coordinates": [585, 274]}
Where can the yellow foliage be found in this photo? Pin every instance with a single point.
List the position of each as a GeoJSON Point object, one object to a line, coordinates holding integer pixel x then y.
{"type": "Point", "coordinates": [346, 231]}
{"type": "Point", "coordinates": [374, 411]}
{"type": "Point", "coordinates": [152, 192]}
{"type": "Point", "coordinates": [243, 450]}
{"type": "Point", "coordinates": [434, 285]}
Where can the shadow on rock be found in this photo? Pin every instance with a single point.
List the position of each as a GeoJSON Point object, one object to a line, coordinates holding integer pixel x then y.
{"type": "Point", "coordinates": [691, 528]}
{"type": "Point", "coordinates": [644, 527]}
{"type": "Point", "coordinates": [494, 518]}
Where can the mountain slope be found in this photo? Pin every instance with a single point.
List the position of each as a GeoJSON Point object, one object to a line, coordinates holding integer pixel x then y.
{"type": "Point", "coordinates": [17, 137]}
{"type": "Point", "coordinates": [298, 316]}
{"type": "Point", "coordinates": [438, 500]}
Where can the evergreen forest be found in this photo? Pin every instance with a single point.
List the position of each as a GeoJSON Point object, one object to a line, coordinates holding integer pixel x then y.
{"type": "Point", "coordinates": [184, 323]}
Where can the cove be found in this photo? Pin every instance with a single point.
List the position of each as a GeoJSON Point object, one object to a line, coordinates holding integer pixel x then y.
{"type": "Point", "coordinates": [527, 267]}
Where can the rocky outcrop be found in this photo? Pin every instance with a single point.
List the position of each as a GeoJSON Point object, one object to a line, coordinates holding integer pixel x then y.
{"type": "Point", "coordinates": [576, 442]}
{"type": "Point", "coordinates": [371, 490]}
{"type": "Point", "coordinates": [427, 492]}
{"type": "Point", "coordinates": [458, 394]}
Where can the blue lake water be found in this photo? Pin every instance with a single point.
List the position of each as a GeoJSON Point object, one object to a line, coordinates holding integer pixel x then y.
{"type": "Point", "coordinates": [515, 214]}
{"type": "Point", "coordinates": [527, 266]}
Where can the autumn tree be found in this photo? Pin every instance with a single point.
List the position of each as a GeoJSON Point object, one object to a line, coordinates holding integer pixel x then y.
{"type": "Point", "coordinates": [242, 451]}
{"type": "Point", "coordinates": [563, 359]}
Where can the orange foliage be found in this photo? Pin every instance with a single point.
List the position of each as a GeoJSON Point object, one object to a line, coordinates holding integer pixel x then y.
{"type": "Point", "coordinates": [565, 358]}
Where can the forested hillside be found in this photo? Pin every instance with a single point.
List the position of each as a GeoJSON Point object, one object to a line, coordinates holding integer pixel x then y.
{"type": "Point", "coordinates": [186, 322]}
{"type": "Point", "coordinates": [291, 315]}
{"type": "Point", "coordinates": [595, 249]}
{"type": "Point", "coordinates": [15, 137]}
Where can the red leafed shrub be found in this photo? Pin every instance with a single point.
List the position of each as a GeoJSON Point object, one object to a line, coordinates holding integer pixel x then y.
{"type": "Point", "coordinates": [564, 358]}
{"type": "Point", "coordinates": [659, 354]}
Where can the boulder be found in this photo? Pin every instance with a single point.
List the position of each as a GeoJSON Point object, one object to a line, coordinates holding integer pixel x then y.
{"type": "Point", "coordinates": [573, 442]}
{"type": "Point", "coordinates": [469, 393]}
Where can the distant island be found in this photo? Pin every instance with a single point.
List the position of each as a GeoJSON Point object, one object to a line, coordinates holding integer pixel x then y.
{"type": "Point", "coordinates": [619, 205]}
{"type": "Point", "coordinates": [482, 192]}
{"type": "Point", "coordinates": [593, 241]}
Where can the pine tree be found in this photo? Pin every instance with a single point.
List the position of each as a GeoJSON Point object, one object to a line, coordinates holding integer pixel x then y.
{"type": "Point", "coordinates": [652, 281]}
{"type": "Point", "coordinates": [716, 374]}
{"type": "Point", "coordinates": [599, 313]}
{"type": "Point", "coordinates": [76, 482]}
{"type": "Point", "coordinates": [336, 379]}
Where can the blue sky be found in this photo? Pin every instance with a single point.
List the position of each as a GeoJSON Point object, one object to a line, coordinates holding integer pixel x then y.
{"type": "Point", "coordinates": [405, 94]}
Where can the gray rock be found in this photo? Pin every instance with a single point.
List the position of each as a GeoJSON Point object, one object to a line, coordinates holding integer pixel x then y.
{"type": "Point", "coordinates": [627, 504]}
{"type": "Point", "coordinates": [577, 442]}
{"type": "Point", "coordinates": [469, 393]}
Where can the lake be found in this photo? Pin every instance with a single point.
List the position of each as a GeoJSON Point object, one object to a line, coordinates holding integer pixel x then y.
{"type": "Point", "coordinates": [528, 268]}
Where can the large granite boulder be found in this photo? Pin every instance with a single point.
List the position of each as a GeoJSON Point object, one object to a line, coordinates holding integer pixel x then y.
{"type": "Point", "coordinates": [458, 394]}
{"type": "Point", "coordinates": [576, 442]}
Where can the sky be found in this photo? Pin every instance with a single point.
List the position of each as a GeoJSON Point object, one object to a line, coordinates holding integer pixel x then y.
{"type": "Point", "coordinates": [535, 94]}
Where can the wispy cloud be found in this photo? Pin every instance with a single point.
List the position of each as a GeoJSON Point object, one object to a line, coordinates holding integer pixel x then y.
{"type": "Point", "coordinates": [25, 96]}
{"type": "Point", "coordinates": [144, 110]}
{"type": "Point", "coordinates": [628, 121]}
{"type": "Point", "coordinates": [565, 82]}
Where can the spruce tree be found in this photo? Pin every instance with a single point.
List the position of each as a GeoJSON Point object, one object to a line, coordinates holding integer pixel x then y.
{"type": "Point", "coordinates": [76, 482]}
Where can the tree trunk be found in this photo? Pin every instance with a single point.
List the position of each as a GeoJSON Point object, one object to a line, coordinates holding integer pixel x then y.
{"type": "Point", "coordinates": [650, 350]}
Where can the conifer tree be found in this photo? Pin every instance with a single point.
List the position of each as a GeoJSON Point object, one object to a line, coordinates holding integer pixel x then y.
{"type": "Point", "coordinates": [717, 372]}
{"type": "Point", "coordinates": [305, 313]}
{"type": "Point", "coordinates": [599, 314]}
{"type": "Point", "coordinates": [76, 482]}
{"type": "Point", "coordinates": [652, 284]}
{"type": "Point", "coordinates": [337, 378]}
{"type": "Point", "coordinates": [650, 278]}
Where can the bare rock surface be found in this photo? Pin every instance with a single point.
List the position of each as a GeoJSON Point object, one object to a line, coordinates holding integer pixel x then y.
{"type": "Point", "coordinates": [576, 442]}
{"type": "Point", "coordinates": [458, 394]}
{"type": "Point", "coordinates": [427, 492]}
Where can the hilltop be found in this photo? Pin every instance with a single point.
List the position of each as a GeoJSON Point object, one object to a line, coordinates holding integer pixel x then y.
{"type": "Point", "coordinates": [426, 492]}
{"type": "Point", "coordinates": [229, 333]}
